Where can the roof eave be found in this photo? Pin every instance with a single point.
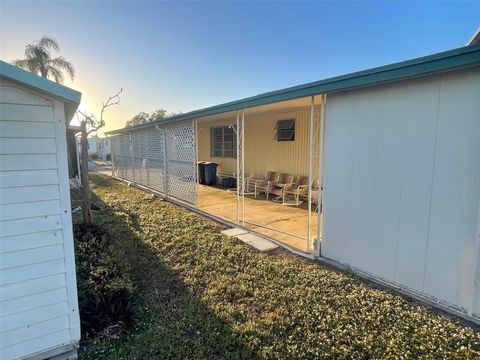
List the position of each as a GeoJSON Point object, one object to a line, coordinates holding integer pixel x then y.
{"type": "Point", "coordinates": [30, 79]}
{"type": "Point", "coordinates": [475, 39]}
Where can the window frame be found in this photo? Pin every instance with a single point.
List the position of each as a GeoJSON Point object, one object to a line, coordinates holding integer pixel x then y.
{"type": "Point", "coordinates": [220, 136]}
{"type": "Point", "coordinates": [282, 131]}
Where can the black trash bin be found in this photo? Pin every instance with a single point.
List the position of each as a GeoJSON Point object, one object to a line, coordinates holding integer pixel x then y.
{"type": "Point", "coordinates": [201, 172]}
{"type": "Point", "coordinates": [210, 170]}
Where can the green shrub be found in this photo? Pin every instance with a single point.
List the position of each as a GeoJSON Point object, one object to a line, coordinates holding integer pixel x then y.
{"type": "Point", "coordinates": [104, 289]}
{"type": "Point", "coordinates": [94, 155]}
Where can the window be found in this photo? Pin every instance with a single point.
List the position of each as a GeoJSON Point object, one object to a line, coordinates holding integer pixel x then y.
{"type": "Point", "coordinates": [285, 130]}
{"type": "Point", "coordinates": [223, 142]}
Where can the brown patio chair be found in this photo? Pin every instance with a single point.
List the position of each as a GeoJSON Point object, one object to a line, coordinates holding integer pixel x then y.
{"type": "Point", "coordinates": [295, 190]}
{"type": "Point", "coordinates": [276, 187]}
{"type": "Point", "coordinates": [258, 185]}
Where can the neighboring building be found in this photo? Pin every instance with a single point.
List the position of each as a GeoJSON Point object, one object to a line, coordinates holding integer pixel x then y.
{"type": "Point", "coordinates": [392, 159]}
{"type": "Point", "coordinates": [92, 145]}
{"type": "Point", "coordinates": [38, 295]}
{"type": "Point", "coordinates": [103, 148]}
{"type": "Point", "coordinates": [96, 145]}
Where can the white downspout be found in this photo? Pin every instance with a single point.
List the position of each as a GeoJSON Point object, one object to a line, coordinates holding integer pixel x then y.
{"type": "Point", "coordinates": [321, 173]}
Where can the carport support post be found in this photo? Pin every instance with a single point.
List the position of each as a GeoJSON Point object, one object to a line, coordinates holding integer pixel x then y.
{"type": "Point", "coordinates": [310, 170]}
{"type": "Point", "coordinates": [243, 167]}
{"type": "Point", "coordinates": [238, 167]}
{"type": "Point", "coordinates": [321, 171]}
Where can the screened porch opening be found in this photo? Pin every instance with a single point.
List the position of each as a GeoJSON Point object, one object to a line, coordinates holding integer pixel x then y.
{"type": "Point", "coordinates": [267, 169]}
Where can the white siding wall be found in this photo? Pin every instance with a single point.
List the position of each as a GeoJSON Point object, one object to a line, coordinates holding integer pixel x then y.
{"type": "Point", "coordinates": [402, 184]}
{"type": "Point", "coordinates": [38, 306]}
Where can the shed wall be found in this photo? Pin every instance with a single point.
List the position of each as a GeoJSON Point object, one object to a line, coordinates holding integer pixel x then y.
{"type": "Point", "coordinates": [38, 299]}
{"type": "Point", "coordinates": [402, 183]}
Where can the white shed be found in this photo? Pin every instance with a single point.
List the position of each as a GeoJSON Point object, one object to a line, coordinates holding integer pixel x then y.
{"type": "Point", "coordinates": [38, 295]}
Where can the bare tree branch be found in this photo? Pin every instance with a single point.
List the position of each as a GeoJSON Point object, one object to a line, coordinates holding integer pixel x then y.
{"type": "Point", "coordinates": [112, 100]}
{"type": "Point", "coordinates": [89, 124]}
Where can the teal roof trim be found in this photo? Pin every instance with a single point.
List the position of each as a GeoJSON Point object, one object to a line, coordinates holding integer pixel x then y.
{"type": "Point", "coordinates": [30, 79]}
{"type": "Point", "coordinates": [440, 62]}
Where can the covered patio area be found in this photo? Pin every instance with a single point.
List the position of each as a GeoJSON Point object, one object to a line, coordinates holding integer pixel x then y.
{"type": "Point", "coordinates": [261, 215]}
{"type": "Point", "coordinates": [270, 157]}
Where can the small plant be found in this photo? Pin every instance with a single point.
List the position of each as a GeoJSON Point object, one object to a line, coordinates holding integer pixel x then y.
{"type": "Point", "coordinates": [94, 155]}
{"type": "Point", "coordinates": [104, 291]}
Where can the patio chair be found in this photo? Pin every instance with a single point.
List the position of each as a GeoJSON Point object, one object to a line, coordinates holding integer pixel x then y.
{"type": "Point", "coordinates": [318, 207]}
{"type": "Point", "coordinates": [256, 186]}
{"type": "Point", "coordinates": [276, 187]}
{"type": "Point", "coordinates": [296, 190]}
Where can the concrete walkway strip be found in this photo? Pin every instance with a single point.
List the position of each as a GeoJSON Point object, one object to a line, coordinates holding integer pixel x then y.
{"type": "Point", "coordinates": [234, 232]}
{"type": "Point", "coordinates": [257, 242]}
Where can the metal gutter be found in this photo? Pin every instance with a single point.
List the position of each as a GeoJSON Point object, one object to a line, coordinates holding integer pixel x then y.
{"type": "Point", "coordinates": [445, 61]}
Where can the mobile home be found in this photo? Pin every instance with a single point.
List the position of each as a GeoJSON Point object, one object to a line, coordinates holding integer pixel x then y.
{"type": "Point", "coordinates": [381, 168]}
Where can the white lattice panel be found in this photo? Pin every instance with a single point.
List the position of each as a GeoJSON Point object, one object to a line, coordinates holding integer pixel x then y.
{"type": "Point", "coordinates": [146, 156]}
{"type": "Point", "coordinates": [156, 159]}
{"type": "Point", "coordinates": [140, 160]}
{"type": "Point", "coordinates": [116, 144]}
{"type": "Point", "coordinates": [181, 159]}
{"type": "Point", "coordinates": [127, 158]}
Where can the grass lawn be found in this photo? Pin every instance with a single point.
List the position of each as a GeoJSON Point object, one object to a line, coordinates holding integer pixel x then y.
{"type": "Point", "coordinates": [206, 296]}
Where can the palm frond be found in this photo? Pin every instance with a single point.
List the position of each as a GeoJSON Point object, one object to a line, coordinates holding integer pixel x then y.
{"type": "Point", "coordinates": [26, 64]}
{"type": "Point", "coordinates": [38, 60]}
{"type": "Point", "coordinates": [45, 42]}
{"type": "Point", "coordinates": [36, 53]}
{"type": "Point", "coordinates": [22, 63]}
{"type": "Point", "coordinates": [55, 73]}
{"type": "Point", "coordinates": [61, 63]}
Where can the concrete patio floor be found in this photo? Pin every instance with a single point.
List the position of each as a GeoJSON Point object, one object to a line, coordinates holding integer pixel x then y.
{"type": "Point", "coordinates": [279, 218]}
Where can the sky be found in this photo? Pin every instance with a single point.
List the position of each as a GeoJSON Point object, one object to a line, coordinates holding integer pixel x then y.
{"type": "Point", "coordinates": [183, 56]}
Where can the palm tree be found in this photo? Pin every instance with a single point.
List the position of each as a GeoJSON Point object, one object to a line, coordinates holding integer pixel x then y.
{"type": "Point", "coordinates": [38, 60]}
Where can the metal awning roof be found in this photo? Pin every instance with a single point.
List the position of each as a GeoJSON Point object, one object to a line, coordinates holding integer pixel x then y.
{"type": "Point", "coordinates": [426, 65]}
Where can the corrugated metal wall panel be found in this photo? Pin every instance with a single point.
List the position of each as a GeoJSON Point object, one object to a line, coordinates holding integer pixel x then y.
{"type": "Point", "coordinates": [262, 151]}
{"type": "Point", "coordinates": [401, 183]}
